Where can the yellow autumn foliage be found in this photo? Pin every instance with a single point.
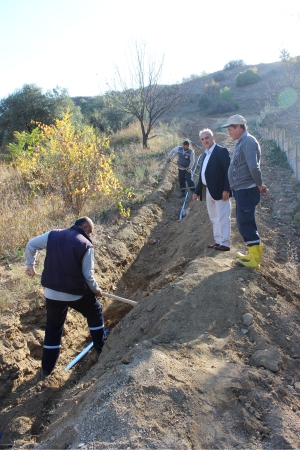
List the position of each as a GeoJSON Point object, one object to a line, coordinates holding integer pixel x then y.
{"type": "Point", "coordinates": [69, 161]}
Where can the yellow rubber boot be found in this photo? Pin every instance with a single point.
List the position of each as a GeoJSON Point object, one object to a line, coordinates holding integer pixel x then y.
{"type": "Point", "coordinates": [240, 255]}
{"type": "Point", "coordinates": [255, 253]}
{"type": "Point", "coordinates": [247, 257]}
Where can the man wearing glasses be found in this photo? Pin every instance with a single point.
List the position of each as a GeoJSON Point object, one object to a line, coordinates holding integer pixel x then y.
{"type": "Point", "coordinates": [214, 186]}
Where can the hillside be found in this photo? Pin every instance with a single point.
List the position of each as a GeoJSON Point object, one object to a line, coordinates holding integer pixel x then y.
{"type": "Point", "coordinates": [182, 369]}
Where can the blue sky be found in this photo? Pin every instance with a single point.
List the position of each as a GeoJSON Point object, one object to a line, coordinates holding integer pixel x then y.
{"type": "Point", "coordinates": [75, 44]}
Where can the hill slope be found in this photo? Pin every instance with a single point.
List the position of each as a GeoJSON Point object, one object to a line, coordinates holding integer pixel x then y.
{"type": "Point", "coordinates": [180, 370]}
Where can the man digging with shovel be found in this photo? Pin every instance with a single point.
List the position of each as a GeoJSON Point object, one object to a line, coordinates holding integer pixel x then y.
{"type": "Point", "coordinates": [68, 280]}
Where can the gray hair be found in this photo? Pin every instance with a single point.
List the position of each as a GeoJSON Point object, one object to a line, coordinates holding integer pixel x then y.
{"type": "Point", "coordinates": [206, 130]}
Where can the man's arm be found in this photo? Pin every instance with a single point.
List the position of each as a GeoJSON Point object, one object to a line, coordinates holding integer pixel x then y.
{"type": "Point", "coordinates": [174, 150]}
{"type": "Point", "coordinates": [88, 272]}
{"type": "Point", "coordinates": [252, 156]}
{"type": "Point", "coordinates": [33, 246]}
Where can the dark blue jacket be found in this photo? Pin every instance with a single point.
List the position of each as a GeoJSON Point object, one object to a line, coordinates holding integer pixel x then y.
{"type": "Point", "coordinates": [63, 263]}
{"type": "Point", "coordinates": [216, 173]}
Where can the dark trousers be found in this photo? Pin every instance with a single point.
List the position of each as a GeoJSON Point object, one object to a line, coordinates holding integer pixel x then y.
{"type": "Point", "coordinates": [89, 307]}
{"type": "Point", "coordinates": [185, 177]}
{"type": "Point", "coordinates": [246, 201]}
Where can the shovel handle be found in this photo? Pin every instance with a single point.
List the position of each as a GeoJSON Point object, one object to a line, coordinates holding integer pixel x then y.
{"type": "Point", "coordinates": [105, 294]}
{"type": "Point", "coordinates": [125, 300]}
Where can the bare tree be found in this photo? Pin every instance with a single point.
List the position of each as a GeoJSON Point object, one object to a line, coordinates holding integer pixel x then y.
{"type": "Point", "coordinates": [143, 97]}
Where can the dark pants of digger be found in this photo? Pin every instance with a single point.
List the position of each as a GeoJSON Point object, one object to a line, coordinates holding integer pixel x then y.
{"type": "Point", "coordinates": [185, 177]}
{"type": "Point", "coordinates": [89, 307]}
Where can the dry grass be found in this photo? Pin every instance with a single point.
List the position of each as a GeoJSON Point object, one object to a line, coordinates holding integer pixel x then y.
{"type": "Point", "coordinates": [141, 168]}
{"type": "Point", "coordinates": [23, 216]}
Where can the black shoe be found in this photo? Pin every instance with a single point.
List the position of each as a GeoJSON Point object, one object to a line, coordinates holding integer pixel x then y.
{"type": "Point", "coordinates": [44, 374]}
{"type": "Point", "coordinates": [181, 195]}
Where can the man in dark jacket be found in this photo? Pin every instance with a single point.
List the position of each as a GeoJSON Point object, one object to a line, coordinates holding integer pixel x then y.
{"type": "Point", "coordinates": [68, 281]}
{"type": "Point", "coordinates": [214, 185]}
{"type": "Point", "coordinates": [185, 162]}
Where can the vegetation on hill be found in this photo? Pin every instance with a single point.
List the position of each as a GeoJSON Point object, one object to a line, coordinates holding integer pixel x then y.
{"type": "Point", "coordinates": [215, 100]}
{"type": "Point", "coordinates": [61, 171]}
{"type": "Point", "coordinates": [249, 76]}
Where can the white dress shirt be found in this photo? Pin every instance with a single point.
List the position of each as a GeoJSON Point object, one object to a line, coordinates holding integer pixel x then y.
{"type": "Point", "coordinates": [205, 161]}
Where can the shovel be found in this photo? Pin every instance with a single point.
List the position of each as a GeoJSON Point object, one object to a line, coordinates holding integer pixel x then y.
{"type": "Point", "coordinates": [105, 294]}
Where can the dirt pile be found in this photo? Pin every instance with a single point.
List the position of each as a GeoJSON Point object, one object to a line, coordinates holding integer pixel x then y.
{"type": "Point", "coordinates": [209, 358]}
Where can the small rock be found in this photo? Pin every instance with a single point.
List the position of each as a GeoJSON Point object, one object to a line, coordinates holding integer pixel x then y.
{"type": "Point", "coordinates": [151, 307]}
{"type": "Point", "coordinates": [244, 330]}
{"type": "Point", "coordinates": [125, 360]}
{"type": "Point", "coordinates": [281, 390]}
{"type": "Point", "coordinates": [272, 291]}
{"type": "Point", "coordinates": [297, 386]}
{"type": "Point", "coordinates": [247, 319]}
{"type": "Point", "coordinates": [290, 388]}
{"type": "Point", "coordinates": [269, 359]}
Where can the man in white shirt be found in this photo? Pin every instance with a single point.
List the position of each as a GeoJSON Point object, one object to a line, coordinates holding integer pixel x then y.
{"type": "Point", "coordinates": [213, 179]}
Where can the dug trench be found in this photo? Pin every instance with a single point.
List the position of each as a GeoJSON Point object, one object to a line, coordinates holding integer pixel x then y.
{"type": "Point", "coordinates": [209, 358]}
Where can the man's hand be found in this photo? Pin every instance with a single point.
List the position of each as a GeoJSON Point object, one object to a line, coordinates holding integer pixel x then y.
{"type": "Point", "coordinates": [263, 189]}
{"type": "Point", "coordinates": [169, 160]}
{"type": "Point", "coordinates": [30, 272]}
{"type": "Point", "coordinates": [189, 170]}
{"type": "Point", "coordinates": [225, 195]}
{"type": "Point", "coordinates": [98, 293]}
{"type": "Point", "coordinates": [195, 197]}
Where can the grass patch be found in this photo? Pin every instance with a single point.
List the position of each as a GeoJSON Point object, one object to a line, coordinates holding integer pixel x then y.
{"type": "Point", "coordinates": [276, 155]}
{"type": "Point", "coordinates": [23, 215]}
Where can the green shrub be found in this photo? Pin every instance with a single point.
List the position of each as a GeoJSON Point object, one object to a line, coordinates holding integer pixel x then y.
{"type": "Point", "coordinates": [234, 63]}
{"type": "Point", "coordinates": [220, 107]}
{"type": "Point", "coordinates": [212, 88]}
{"type": "Point", "coordinates": [204, 101]}
{"type": "Point", "coordinates": [249, 76]}
{"type": "Point", "coordinates": [219, 76]}
{"type": "Point", "coordinates": [226, 94]}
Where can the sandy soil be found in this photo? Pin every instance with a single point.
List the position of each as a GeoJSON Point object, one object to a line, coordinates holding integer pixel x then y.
{"type": "Point", "coordinates": [208, 359]}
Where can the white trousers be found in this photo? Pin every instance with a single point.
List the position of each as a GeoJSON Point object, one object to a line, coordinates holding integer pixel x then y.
{"type": "Point", "coordinates": [219, 214]}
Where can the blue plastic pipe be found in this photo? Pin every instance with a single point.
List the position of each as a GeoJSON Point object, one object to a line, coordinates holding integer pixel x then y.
{"type": "Point", "coordinates": [78, 357]}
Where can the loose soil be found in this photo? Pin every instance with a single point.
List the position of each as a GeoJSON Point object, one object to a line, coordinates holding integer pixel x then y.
{"type": "Point", "coordinates": [183, 369]}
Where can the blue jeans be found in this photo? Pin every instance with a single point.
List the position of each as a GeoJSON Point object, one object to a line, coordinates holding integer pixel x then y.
{"type": "Point", "coordinates": [246, 201]}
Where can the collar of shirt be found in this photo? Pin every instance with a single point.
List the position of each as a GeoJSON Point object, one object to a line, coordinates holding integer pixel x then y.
{"type": "Point", "coordinates": [243, 135]}
{"type": "Point", "coordinates": [209, 152]}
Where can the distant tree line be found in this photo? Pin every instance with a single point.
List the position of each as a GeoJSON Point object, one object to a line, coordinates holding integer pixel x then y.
{"type": "Point", "coordinates": [144, 100]}
{"type": "Point", "coordinates": [25, 107]}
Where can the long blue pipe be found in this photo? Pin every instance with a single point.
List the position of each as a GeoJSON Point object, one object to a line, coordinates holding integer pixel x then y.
{"type": "Point", "coordinates": [78, 357]}
{"type": "Point", "coordinates": [187, 194]}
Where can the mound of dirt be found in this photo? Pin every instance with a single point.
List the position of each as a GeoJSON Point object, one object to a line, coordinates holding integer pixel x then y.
{"type": "Point", "coordinates": [209, 358]}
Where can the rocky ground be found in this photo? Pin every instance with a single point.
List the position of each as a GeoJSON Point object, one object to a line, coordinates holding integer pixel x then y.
{"type": "Point", "coordinates": [208, 359]}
